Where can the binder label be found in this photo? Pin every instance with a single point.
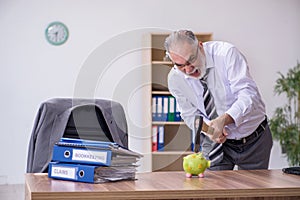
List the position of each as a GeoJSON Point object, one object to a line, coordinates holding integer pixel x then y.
{"type": "Point", "coordinates": [63, 172]}
{"type": "Point", "coordinates": [89, 155]}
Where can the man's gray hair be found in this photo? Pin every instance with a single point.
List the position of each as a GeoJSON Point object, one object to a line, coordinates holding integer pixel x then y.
{"type": "Point", "coordinates": [180, 37]}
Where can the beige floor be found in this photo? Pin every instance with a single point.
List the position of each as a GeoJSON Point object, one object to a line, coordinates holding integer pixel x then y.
{"type": "Point", "coordinates": [12, 192]}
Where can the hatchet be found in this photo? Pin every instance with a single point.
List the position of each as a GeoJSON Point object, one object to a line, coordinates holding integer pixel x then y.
{"type": "Point", "coordinates": [216, 153]}
{"type": "Point", "coordinates": [200, 126]}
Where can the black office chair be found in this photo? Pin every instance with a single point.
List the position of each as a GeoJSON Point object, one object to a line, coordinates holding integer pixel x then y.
{"type": "Point", "coordinates": [87, 122]}
{"type": "Point", "coordinates": [91, 119]}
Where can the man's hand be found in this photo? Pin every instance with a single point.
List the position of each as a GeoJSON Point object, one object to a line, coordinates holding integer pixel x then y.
{"type": "Point", "coordinates": [217, 126]}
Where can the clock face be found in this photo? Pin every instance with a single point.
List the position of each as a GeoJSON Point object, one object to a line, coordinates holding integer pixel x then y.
{"type": "Point", "coordinates": [57, 33]}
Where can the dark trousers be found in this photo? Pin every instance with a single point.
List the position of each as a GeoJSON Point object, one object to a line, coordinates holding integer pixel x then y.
{"type": "Point", "coordinates": [254, 154]}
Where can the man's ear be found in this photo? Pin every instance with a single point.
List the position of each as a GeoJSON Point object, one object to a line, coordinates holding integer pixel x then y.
{"type": "Point", "coordinates": [200, 44]}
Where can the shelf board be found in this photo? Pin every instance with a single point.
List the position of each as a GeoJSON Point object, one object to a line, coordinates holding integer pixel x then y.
{"type": "Point", "coordinates": [161, 92]}
{"type": "Point", "coordinates": [172, 152]}
{"type": "Point", "coordinates": [167, 123]}
{"type": "Point", "coordinates": [156, 62]}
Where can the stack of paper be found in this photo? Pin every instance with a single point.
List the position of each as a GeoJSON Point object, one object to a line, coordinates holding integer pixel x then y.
{"type": "Point", "coordinates": [92, 161]}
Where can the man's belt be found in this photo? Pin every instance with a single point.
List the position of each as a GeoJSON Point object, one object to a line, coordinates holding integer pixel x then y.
{"type": "Point", "coordinates": [253, 135]}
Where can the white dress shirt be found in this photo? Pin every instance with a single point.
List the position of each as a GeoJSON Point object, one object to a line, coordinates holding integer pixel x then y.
{"type": "Point", "coordinates": [231, 86]}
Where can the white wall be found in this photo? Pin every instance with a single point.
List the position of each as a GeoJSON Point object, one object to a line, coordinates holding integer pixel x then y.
{"type": "Point", "coordinates": [267, 31]}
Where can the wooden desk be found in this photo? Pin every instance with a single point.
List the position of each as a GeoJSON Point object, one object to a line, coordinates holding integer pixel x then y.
{"type": "Point", "coordinates": [270, 184]}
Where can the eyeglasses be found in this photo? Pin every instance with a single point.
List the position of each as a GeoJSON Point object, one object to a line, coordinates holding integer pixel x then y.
{"type": "Point", "coordinates": [191, 60]}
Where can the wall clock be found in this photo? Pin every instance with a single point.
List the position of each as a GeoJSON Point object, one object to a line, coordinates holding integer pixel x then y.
{"type": "Point", "coordinates": [57, 33]}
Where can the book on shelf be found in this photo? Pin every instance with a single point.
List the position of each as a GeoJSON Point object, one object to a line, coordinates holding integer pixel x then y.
{"type": "Point", "coordinates": [154, 137]}
{"type": "Point", "coordinates": [177, 117]}
{"type": "Point", "coordinates": [161, 138]}
{"type": "Point", "coordinates": [171, 110]}
{"type": "Point", "coordinates": [164, 108]}
{"type": "Point", "coordinates": [158, 137]}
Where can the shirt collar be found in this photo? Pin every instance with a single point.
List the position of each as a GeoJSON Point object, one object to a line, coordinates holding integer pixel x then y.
{"type": "Point", "coordinates": [208, 57]}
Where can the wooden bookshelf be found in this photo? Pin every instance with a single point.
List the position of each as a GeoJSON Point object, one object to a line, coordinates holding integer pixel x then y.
{"type": "Point", "coordinates": [177, 136]}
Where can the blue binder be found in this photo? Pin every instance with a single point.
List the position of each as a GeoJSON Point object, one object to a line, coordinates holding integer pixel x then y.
{"type": "Point", "coordinates": [161, 138]}
{"type": "Point", "coordinates": [81, 155]}
{"type": "Point", "coordinates": [177, 116]}
{"type": "Point", "coordinates": [159, 108]}
{"type": "Point", "coordinates": [92, 152]}
{"type": "Point", "coordinates": [165, 108]}
{"type": "Point", "coordinates": [73, 172]}
{"type": "Point", "coordinates": [86, 143]}
{"type": "Point", "coordinates": [154, 108]}
{"type": "Point", "coordinates": [90, 173]}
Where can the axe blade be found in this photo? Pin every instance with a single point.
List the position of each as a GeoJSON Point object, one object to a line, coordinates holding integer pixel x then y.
{"type": "Point", "coordinates": [198, 123]}
{"type": "Point", "coordinates": [200, 126]}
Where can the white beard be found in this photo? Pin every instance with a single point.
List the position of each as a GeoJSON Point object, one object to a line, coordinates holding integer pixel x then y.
{"type": "Point", "coordinates": [201, 69]}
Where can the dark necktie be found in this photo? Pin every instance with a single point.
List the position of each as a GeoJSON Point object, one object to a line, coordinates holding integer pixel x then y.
{"type": "Point", "coordinates": [216, 153]}
{"type": "Point", "coordinates": [208, 99]}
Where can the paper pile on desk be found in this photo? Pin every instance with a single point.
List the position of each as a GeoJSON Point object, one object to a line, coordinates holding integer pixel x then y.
{"type": "Point", "coordinates": [92, 161]}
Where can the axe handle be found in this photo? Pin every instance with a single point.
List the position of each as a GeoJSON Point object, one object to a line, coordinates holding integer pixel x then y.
{"type": "Point", "coordinates": [205, 127]}
{"type": "Point", "coordinates": [200, 127]}
{"type": "Point", "coordinates": [208, 130]}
